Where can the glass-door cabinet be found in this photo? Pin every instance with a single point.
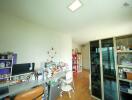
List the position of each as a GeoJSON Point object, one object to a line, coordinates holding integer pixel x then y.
{"type": "Point", "coordinates": [109, 71]}
{"type": "Point", "coordinates": [95, 69]}
{"type": "Point", "coordinates": [111, 68]}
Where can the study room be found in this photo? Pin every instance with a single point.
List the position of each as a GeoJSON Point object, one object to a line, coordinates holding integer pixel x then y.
{"type": "Point", "coordinates": [65, 49]}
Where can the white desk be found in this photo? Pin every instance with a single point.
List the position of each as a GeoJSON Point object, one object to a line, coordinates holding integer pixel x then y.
{"type": "Point", "coordinates": [17, 88]}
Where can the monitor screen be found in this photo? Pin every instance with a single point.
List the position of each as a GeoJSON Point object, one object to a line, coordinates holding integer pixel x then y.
{"type": "Point", "coordinates": [22, 68]}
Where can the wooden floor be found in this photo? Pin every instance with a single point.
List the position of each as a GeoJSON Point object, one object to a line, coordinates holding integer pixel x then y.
{"type": "Point", "coordinates": [81, 88]}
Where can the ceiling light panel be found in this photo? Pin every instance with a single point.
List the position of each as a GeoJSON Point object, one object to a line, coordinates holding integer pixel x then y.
{"type": "Point", "coordinates": [75, 5]}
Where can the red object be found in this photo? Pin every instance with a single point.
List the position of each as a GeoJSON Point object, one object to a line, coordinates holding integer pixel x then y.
{"type": "Point", "coordinates": [75, 63]}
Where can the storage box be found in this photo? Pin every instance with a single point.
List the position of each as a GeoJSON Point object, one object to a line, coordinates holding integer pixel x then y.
{"type": "Point", "coordinates": [130, 47]}
{"type": "Point", "coordinates": [130, 91]}
{"type": "Point", "coordinates": [129, 75]}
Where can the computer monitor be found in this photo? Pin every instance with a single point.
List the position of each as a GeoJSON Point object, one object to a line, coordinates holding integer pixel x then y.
{"type": "Point", "coordinates": [18, 69]}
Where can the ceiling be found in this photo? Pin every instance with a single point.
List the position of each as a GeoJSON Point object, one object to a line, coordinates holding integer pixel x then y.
{"type": "Point", "coordinates": [95, 19]}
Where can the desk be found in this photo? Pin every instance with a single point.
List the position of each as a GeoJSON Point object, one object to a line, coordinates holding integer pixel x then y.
{"type": "Point", "coordinates": [58, 75]}
{"type": "Point", "coordinates": [17, 88]}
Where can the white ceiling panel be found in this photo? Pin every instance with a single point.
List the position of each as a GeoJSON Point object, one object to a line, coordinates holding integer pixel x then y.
{"type": "Point", "coordinates": [91, 21]}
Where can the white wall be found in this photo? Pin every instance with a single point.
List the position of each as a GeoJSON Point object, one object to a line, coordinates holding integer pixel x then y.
{"type": "Point", "coordinates": [31, 42]}
{"type": "Point", "coordinates": [85, 56]}
{"type": "Point", "coordinates": [76, 45]}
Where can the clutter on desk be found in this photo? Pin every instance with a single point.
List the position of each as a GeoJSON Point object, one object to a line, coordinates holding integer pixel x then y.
{"type": "Point", "coordinates": [52, 68]}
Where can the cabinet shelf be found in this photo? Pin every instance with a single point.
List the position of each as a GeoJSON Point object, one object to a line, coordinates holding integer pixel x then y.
{"type": "Point", "coordinates": [124, 51]}
{"type": "Point", "coordinates": [126, 80]}
{"type": "Point", "coordinates": [125, 92]}
{"type": "Point", "coordinates": [5, 67]}
{"type": "Point", "coordinates": [125, 66]}
{"type": "Point", "coordinates": [4, 78]}
{"type": "Point", "coordinates": [5, 59]}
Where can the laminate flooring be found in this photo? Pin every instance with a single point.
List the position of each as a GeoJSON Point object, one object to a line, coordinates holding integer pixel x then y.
{"type": "Point", "coordinates": [82, 92]}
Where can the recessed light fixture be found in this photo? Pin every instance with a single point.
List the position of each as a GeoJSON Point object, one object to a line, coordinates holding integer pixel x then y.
{"type": "Point", "coordinates": [75, 5]}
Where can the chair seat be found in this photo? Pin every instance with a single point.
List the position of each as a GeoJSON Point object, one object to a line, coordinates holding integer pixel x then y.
{"type": "Point", "coordinates": [67, 81]}
{"type": "Point", "coordinates": [66, 88]}
{"type": "Point", "coordinates": [32, 94]}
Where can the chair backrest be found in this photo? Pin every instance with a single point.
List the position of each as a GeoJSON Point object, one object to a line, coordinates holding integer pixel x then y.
{"type": "Point", "coordinates": [69, 76]}
{"type": "Point", "coordinates": [32, 94]}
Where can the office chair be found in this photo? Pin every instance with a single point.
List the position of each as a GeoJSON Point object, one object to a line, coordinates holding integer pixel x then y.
{"type": "Point", "coordinates": [32, 94]}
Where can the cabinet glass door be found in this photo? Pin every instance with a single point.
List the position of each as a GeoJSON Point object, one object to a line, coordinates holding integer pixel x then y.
{"type": "Point", "coordinates": [109, 72]}
{"type": "Point", "coordinates": [95, 69]}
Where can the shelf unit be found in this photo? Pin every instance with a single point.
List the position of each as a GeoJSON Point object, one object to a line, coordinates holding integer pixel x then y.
{"type": "Point", "coordinates": [124, 66]}
{"type": "Point", "coordinates": [6, 62]}
{"type": "Point", "coordinates": [76, 61]}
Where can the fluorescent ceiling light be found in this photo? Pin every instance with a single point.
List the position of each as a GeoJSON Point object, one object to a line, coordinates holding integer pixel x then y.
{"type": "Point", "coordinates": [75, 5]}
